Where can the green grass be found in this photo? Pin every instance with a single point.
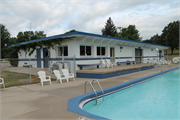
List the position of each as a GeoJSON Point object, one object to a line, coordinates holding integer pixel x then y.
{"type": "Point", "coordinates": [175, 52]}
{"type": "Point", "coordinates": [17, 79]}
{"type": "Point", "coordinates": [4, 61]}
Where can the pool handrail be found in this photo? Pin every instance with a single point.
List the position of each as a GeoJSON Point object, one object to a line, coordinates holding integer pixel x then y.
{"type": "Point", "coordinates": [92, 89]}
{"type": "Point", "coordinates": [99, 87]}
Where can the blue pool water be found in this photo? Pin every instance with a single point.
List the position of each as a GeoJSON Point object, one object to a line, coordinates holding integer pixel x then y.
{"type": "Point", "coordinates": [158, 98]}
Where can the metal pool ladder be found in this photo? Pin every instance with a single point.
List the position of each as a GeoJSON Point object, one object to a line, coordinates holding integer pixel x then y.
{"type": "Point", "coordinates": [94, 89]}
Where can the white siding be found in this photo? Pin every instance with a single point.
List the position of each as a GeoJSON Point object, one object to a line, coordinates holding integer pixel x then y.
{"type": "Point", "coordinates": [24, 55]}
{"type": "Point", "coordinates": [74, 49]}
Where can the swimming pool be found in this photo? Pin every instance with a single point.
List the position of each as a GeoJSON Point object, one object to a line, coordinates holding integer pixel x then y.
{"type": "Point", "coordinates": [157, 98]}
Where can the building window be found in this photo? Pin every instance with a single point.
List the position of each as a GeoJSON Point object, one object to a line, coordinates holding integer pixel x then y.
{"type": "Point", "coordinates": [63, 51]}
{"type": "Point", "coordinates": [85, 50]}
{"type": "Point", "coordinates": [101, 51]}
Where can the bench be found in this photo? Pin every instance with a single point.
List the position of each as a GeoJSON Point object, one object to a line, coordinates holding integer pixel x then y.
{"type": "Point", "coordinates": [82, 65]}
{"type": "Point", "coordinates": [127, 63]}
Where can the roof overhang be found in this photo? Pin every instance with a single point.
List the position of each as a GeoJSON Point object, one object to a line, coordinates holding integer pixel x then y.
{"type": "Point", "coordinates": [95, 38]}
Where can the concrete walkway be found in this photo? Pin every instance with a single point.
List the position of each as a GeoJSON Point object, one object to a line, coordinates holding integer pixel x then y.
{"type": "Point", "coordinates": [50, 101]}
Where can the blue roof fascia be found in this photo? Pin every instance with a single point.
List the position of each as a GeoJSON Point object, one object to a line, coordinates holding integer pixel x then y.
{"type": "Point", "coordinates": [115, 38]}
{"type": "Point", "coordinates": [43, 39]}
{"type": "Point", "coordinates": [85, 34]}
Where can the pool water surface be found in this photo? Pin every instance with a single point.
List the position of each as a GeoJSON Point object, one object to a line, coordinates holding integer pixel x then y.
{"type": "Point", "coordinates": [157, 98]}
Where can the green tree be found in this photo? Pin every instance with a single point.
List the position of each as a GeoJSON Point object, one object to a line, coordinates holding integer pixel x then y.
{"type": "Point", "coordinates": [27, 36]}
{"type": "Point", "coordinates": [71, 31]}
{"type": "Point", "coordinates": [170, 35]}
{"type": "Point", "coordinates": [154, 39]}
{"type": "Point", "coordinates": [110, 29]}
{"type": "Point", "coordinates": [130, 33]}
{"type": "Point", "coordinates": [13, 53]}
{"type": "Point", "coordinates": [5, 40]}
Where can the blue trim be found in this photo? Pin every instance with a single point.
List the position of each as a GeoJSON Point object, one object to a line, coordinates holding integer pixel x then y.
{"type": "Point", "coordinates": [79, 59]}
{"type": "Point", "coordinates": [82, 65]}
{"type": "Point", "coordinates": [127, 62]}
{"type": "Point", "coordinates": [149, 56]}
{"type": "Point", "coordinates": [113, 74]}
{"type": "Point", "coordinates": [73, 34]}
{"type": "Point", "coordinates": [73, 104]}
{"type": "Point", "coordinates": [38, 53]}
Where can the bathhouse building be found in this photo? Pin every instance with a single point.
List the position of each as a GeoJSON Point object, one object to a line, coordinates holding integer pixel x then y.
{"type": "Point", "coordinates": [87, 48]}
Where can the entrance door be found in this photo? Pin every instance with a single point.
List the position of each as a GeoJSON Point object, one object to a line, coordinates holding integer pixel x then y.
{"type": "Point", "coordinates": [38, 53]}
{"type": "Point", "coordinates": [45, 56]}
{"type": "Point", "coordinates": [138, 55]}
{"type": "Point", "coordinates": [160, 54]}
{"type": "Point", "coordinates": [112, 54]}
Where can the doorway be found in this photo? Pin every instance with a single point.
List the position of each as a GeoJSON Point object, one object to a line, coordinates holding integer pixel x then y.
{"type": "Point", "coordinates": [112, 54]}
{"type": "Point", "coordinates": [138, 55]}
{"type": "Point", "coordinates": [38, 53]}
{"type": "Point", "coordinates": [45, 56]}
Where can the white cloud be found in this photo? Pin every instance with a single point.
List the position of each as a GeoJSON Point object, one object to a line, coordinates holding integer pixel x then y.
{"type": "Point", "coordinates": [58, 16]}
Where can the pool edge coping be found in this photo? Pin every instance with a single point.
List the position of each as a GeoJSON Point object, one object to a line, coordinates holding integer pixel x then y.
{"type": "Point", "coordinates": [73, 103]}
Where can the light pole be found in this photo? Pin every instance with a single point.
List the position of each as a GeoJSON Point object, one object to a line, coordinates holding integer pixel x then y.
{"type": "Point", "coordinates": [166, 38]}
{"type": "Point", "coordinates": [157, 51]}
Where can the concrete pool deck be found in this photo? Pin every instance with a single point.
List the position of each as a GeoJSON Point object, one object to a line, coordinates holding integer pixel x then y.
{"type": "Point", "coordinates": [50, 101]}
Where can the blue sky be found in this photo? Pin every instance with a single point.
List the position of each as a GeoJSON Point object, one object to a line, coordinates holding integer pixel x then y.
{"type": "Point", "coordinates": [59, 16]}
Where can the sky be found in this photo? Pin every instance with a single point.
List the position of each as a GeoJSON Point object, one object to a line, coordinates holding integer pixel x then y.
{"type": "Point", "coordinates": [59, 16]}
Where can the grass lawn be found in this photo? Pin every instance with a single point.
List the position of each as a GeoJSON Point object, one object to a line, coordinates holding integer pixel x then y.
{"type": "Point", "coordinates": [17, 79]}
{"type": "Point", "coordinates": [175, 52]}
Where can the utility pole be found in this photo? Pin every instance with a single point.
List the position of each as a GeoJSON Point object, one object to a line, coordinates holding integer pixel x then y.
{"type": "Point", "coordinates": [30, 32]}
{"type": "Point", "coordinates": [166, 39]}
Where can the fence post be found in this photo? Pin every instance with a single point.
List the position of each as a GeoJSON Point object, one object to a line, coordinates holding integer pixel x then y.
{"type": "Point", "coordinates": [30, 70]}
{"type": "Point", "coordinates": [131, 62]}
{"type": "Point", "coordinates": [102, 64]}
{"type": "Point", "coordinates": [0, 67]}
{"type": "Point", "coordinates": [119, 62]}
{"type": "Point", "coordinates": [74, 60]}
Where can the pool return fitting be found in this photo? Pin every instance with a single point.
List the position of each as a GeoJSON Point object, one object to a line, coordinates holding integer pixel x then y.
{"type": "Point", "coordinates": [94, 89]}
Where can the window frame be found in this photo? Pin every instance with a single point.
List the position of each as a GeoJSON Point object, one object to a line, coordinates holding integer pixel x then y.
{"type": "Point", "coordinates": [85, 50]}
{"type": "Point", "coordinates": [100, 50]}
{"type": "Point", "coordinates": [58, 49]}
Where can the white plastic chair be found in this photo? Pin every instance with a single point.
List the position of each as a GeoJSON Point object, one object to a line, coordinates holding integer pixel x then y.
{"type": "Point", "coordinates": [67, 74]}
{"type": "Point", "coordinates": [44, 78]}
{"type": "Point", "coordinates": [109, 63]}
{"type": "Point", "coordinates": [2, 82]}
{"type": "Point", "coordinates": [104, 64]}
{"type": "Point", "coordinates": [59, 77]}
{"type": "Point", "coordinates": [169, 62]}
{"type": "Point", "coordinates": [165, 62]}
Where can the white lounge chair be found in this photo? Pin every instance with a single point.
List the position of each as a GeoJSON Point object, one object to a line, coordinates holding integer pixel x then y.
{"type": "Point", "coordinates": [165, 62]}
{"type": "Point", "coordinates": [148, 61]}
{"type": "Point", "coordinates": [175, 60]}
{"type": "Point", "coordinates": [162, 62]}
{"type": "Point", "coordinates": [158, 63]}
{"type": "Point", "coordinates": [59, 77]}
{"type": "Point", "coordinates": [67, 74]}
{"type": "Point", "coordinates": [169, 62]}
{"type": "Point", "coordinates": [109, 63]}
{"type": "Point", "coordinates": [104, 64]}
{"type": "Point", "coordinates": [2, 82]}
{"type": "Point", "coordinates": [44, 78]}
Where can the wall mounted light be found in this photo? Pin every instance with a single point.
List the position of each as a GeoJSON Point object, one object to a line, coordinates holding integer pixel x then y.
{"type": "Point", "coordinates": [121, 49]}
